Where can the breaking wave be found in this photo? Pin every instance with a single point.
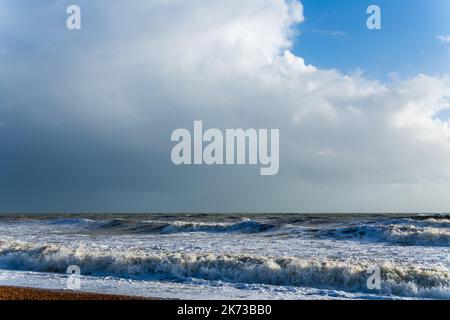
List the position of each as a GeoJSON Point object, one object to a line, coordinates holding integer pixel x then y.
{"type": "Point", "coordinates": [164, 227]}
{"type": "Point", "coordinates": [247, 226]}
{"type": "Point", "coordinates": [394, 233]}
{"type": "Point", "coordinates": [398, 280]}
{"type": "Point", "coordinates": [72, 222]}
{"type": "Point", "coordinates": [420, 231]}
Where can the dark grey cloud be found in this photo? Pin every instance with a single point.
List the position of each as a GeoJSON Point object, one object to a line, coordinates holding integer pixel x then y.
{"type": "Point", "coordinates": [86, 116]}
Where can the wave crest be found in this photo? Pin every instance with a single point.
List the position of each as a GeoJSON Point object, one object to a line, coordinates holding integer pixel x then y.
{"type": "Point", "coordinates": [399, 280]}
{"type": "Point", "coordinates": [247, 226]}
{"type": "Point", "coordinates": [394, 233]}
{"type": "Point", "coordinates": [165, 227]}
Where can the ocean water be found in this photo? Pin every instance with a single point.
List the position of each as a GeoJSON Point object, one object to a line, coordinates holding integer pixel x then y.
{"type": "Point", "coordinates": [206, 256]}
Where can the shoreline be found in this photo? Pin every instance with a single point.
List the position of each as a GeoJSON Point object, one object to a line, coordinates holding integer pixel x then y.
{"type": "Point", "coordinates": [12, 293]}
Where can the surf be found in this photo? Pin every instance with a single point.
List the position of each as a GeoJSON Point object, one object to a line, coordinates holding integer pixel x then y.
{"type": "Point", "coordinates": [402, 280]}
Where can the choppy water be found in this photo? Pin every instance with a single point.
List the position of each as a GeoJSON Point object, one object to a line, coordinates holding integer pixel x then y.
{"type": "Point", "coordinates": [266, 256]}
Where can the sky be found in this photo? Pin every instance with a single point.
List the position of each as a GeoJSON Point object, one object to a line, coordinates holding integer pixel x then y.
{"type": "Point", "coordinates": [86, 115]}
{"type": "Point", "coordinates": [334, 35]}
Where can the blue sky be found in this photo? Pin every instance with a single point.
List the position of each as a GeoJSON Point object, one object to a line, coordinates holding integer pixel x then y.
{"type": "Point", "coordinates": [334, 35]}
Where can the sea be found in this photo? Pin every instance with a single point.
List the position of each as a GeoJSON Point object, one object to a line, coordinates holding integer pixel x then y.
{"type": "Point", "coordinates": [230, 256]}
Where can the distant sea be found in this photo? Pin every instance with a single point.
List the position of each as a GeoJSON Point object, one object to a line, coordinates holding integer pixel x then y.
{"type": "Point", "coordinates": [223, 256]}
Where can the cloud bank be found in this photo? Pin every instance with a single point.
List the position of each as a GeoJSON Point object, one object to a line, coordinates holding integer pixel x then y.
{"type": "Point", "coordinates": [86, 117]}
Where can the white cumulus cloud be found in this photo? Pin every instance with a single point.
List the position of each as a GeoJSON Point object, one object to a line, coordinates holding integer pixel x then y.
{"type": "Point", "coordinates": [102, 104]}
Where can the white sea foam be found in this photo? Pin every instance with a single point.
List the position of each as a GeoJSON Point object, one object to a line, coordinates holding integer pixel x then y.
{"type": "Point", "coordinates": [255, 256]}
{"type": "Point", "coordinates": [401, 280]}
